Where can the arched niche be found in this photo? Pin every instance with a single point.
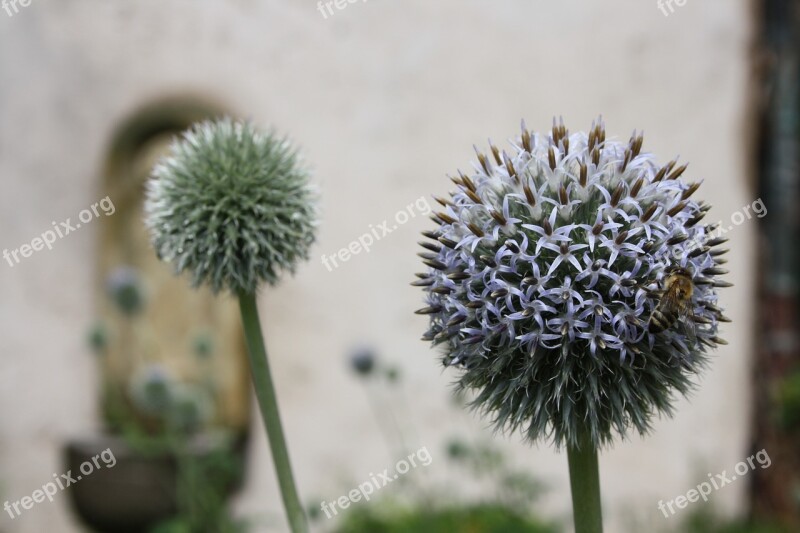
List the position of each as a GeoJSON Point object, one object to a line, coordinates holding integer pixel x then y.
{"type": "Point", "coordinates": [176, 317]}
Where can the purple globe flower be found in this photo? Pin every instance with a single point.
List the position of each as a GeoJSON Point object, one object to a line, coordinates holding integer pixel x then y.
{"type": "Point", "coordinates": [573, 283]}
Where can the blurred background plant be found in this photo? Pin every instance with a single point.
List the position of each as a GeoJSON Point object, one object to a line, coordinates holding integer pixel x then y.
{"type": "Point", "coordinates": [205, 479]}
{"type": "Point", "coordinates": [383, 387]}
{"type": "Point", "coordinates": [171, 420]}
{"type": "Point", "coordinates": [421, 505]}
{"type": "Point", "coordinates": [707, 521]}
{"type": "Point", "coordinates": [151, 398]}
{"type": "Point", "coordinates": [417, 504]}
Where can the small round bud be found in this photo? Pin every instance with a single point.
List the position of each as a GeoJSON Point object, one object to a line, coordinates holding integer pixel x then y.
{"type": "Point", "coordinates": [363, 361]}
{"type": "Point", "coordinates": [191, 408]}
{"type": "Point", "coordinates": [98, 338]}
{"type": "Point", "coordinates": [151, 389]}
{"type": "Point", "coordinates": [125, 290]}
{"type": "Point", "coordinates": [457, 449]}
{"type": "Point", "coordinates": [392, 374]}
{"type": "Point", "coordinates": [203, 346]}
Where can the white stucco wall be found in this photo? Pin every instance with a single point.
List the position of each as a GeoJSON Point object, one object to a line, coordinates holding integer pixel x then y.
{"type": "Point", "coordinates": [386, 97]}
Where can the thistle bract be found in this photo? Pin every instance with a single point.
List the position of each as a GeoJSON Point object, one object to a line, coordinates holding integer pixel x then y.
{"type": "Point", "coordinates": [232, 206]}
{"type": "Point", "coordinates": [544, 271]}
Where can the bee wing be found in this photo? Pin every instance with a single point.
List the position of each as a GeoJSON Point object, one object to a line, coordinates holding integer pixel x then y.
{"type": "Point", "coordinates": [685, 311]}
{"type": "Point", "coordinates": [670, 300]}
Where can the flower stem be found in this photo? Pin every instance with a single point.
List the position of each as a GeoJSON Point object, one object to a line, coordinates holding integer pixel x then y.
{"type": "Point", "coordinates": [584, 479]}
{"type": "Point", "coordinates": [265, 392]}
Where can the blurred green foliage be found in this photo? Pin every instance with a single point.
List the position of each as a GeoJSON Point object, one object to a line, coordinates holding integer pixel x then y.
{"type": "Point", "coordinates": [507, 493]}
{"type": "Point", "coordinates": [205, 479]}
{"type": "Point", "coordinates": [487, 518]}
{"type": "Point", "coordinates": [708, 522]}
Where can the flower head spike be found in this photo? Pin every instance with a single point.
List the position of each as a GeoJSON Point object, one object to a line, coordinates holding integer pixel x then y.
{"type": "Point", "coordinates": [232, 206]}
{"type": "Point", "coordinates": [553, 296]}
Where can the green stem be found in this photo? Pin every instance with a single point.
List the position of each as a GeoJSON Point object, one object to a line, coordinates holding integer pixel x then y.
{"type": "Point", "coordinates": [395, 443]}
{"type": "Point", "coordinates": [265, 392]}
{"type": "Point", "coordinates": [584, 479]}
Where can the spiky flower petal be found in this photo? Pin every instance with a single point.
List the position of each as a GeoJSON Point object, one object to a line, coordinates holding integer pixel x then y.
{"type": "Point", "coordinates": [544, 271]}
{"type": "Point", "coordinates": [232, 206]}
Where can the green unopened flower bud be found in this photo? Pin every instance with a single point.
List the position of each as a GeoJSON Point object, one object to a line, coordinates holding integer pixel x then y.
{"type": "Point", "coordinates": [232, 206]}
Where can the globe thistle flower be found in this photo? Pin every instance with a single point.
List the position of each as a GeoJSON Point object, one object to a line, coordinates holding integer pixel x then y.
{"type": "Point", "coordinates": [124, 287]}
{"type": "Point", "coordinates": [232, 206]}
{"type": "Point", "coordinates": [151, 389]}
{"type": "Point", "coordinates": [363, 361]}
{"type": "Point", "coordinates": [544, 269]}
